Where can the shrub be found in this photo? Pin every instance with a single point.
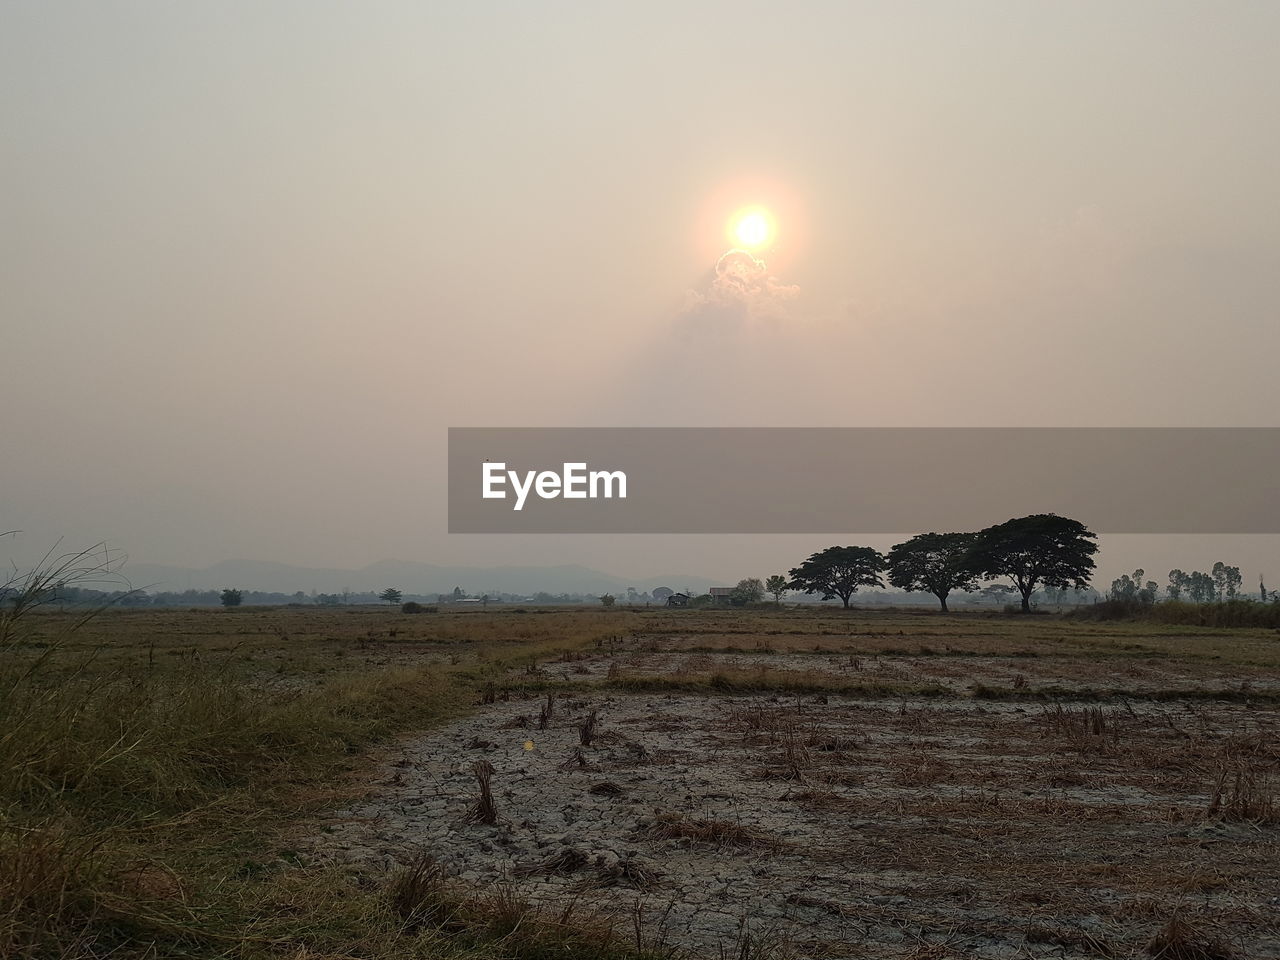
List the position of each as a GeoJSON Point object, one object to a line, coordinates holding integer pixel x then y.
{"type": "Point", "coordinates": [1229, 613]}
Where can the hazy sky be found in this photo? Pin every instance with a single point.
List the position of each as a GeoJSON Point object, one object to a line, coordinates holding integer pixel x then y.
{"type": "Point", "coordinates": [257, 257]}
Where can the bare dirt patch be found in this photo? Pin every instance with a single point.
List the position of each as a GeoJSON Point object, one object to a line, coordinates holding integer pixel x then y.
{"type": "Point", "coordinates": [886, 826]}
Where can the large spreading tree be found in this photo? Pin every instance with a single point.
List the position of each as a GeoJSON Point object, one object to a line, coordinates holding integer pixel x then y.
{"type": "Point", "coordinates": [839, 572]}
{"type": "Point", "coordinates": [936, 563]}
{"type": "Point", "coordinates": [1042, 549]}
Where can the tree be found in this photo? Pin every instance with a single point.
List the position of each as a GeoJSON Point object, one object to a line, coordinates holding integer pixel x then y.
{"type": "Point", "coordinates": [1177, 583]}
{"type": "Point", "coordinates": [1131, 589]}
{"type": "Point", "coordinates": [1200, 587]}
{"type": "Point", "coordinates": [935, 563]}
{"type": "Point", "coordinates": [1055, 595]}
{"type": "Point", "coordinates": [231, 598]}
{"type": "Point", "coordinates": [747, 591]}
{"type": "Point", "coordinates": [390, 595]}
{"type": "Point", "coordinates": [839, 572]}
{"type": "Point", "coordinates": [1219, 574]}
{"type": "Point", "coordinates": [996, 592]}
{"type": "Point", "coordinates": [1226, 580]}
{"type": "Point", "coordinates": [1061, 596]}
{"type": "Point", "coordinates": [660, 594]}
{"type": "Point", "coordinates": [1040, 549]}
{"type": "Point", "coordinates": [776, 585]}
{"type": "Point", "coordinates": [607, 599]}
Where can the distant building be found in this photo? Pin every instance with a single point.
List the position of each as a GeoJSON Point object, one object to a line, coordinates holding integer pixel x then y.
{"type": "Point", "coordinates": [720, 594]}
{"type": "Point", "coordinates": [678, 600]}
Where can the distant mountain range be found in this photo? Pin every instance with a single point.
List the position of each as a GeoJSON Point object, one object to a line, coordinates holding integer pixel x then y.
{"type": "Point", "coordinates": [405, 575]}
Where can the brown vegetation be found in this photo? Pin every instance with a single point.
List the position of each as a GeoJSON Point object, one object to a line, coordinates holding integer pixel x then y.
{"type": "Point", "coordinates": [158, 767]}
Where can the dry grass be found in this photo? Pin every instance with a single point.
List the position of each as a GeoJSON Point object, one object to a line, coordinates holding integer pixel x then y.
{"type": "Point", "coordinates": [483, 809]}
{"type": "Point", "coordinates": [628, 871]}
{"type": "Point", "coordinates": [795, 759]}
{"type": "Point", "coordinates": [154, 763]}
{"type": "Point", "coordinates": [498, 923]}
{"type": "Point", "coordinates": [151, 760]}
{"type": "Point", "coordinates": [731, 680]}
{"type": "Point", "coordinates": [563, 861]}
{"type": "Point", "coordinates": [1085, 729]}
{"type": "Point", "coordinates": [817, 798]}
{"type": "Point", "coordinates": [720, 833]}
{"type": "Point", "coordinates": [1243, 791]}
{"type": "Point", "coordinates": [576, 760]}
{"type": "Point", "coordinates": [864, 633]}
{"type": "Point", "coordinates": [418, 893]}
{"type": "Point", "coordinates": [587, 729]}
{"type": "Point", "coordinates": [757, 717]}
{"type": "Point", "coordinates": [1180, 939]}
{"type": "Point", "coordinates": [48, 890]}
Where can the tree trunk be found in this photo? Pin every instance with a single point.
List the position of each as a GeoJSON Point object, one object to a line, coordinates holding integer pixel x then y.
{"type": "Point", "coordinates": [1026, 602]}
{"type": "Point", "coordinates": [846, 601]}
{"type": "Point", "coordinates": [942, 597]}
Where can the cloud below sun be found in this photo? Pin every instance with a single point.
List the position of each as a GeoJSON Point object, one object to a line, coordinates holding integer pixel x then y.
{"type": "Point", "coordinates": [739, 291]}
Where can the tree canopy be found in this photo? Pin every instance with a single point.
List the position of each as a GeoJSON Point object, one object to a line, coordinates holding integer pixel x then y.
{"type": "Point", "coordinates": [839, 572]}
{"type": "Point", "coordinates": [935, 563]}
{"type": "Point", "coordinates": [1226, 580]}
{"type": "Point", "coordinates": [1040, 549]}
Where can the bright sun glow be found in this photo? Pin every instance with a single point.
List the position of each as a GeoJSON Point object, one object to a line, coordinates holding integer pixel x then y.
{"type": "Point", "coordinates": [752, 229]}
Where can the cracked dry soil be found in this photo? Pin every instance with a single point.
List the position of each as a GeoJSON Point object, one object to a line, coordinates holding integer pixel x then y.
{"type": "Point", "coordinates": [839, 827]}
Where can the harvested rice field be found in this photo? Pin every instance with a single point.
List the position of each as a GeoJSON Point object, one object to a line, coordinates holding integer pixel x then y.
{"type": "Point", "coordinates": [890, 785]}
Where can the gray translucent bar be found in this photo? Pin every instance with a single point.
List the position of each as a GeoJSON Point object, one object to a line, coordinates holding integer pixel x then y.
{"type": "Point", "coordinates": [871, 480]}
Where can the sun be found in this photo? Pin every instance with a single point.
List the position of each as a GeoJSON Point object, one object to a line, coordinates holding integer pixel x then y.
{"type": "Point", "coordinates": [752, 229]}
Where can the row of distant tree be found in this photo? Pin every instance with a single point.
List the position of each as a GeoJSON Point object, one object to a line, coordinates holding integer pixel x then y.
{"type": "Point", "coordinates": [1221, 584]}
{"type": "Point", "coordinates": [70, 595]}
{"type": "Point", "coordinates": [390, 595]}
{"type": "Point", "coordinates": [1039, 552]}
{"type": "Point", "coordinates": [1042, 550]}
{"type": "Point", "coordinates": [1042, 553]}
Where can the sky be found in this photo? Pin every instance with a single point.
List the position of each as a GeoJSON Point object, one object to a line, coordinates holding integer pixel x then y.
{"type": "Point", "coordinates": [256, 258]}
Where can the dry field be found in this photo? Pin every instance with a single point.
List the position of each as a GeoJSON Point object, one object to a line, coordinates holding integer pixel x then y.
{"type": "Point", "coordinates": [652, 783]}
